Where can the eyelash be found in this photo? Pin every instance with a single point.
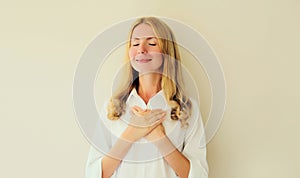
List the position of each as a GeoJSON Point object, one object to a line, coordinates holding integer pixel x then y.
{"type": "Point", "coordinates": [151, 44]}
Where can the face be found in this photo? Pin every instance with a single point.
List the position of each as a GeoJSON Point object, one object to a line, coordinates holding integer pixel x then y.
{"type": "Point", "coordinates": [145, 54]}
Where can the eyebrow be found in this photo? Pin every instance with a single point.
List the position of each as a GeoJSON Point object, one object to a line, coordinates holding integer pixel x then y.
{"type": "Point", "coordinates": [148, 38]}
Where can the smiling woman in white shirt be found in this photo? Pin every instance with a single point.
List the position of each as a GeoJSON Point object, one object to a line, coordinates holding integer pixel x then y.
{"type": "Point", "coordinates": [150, 128]}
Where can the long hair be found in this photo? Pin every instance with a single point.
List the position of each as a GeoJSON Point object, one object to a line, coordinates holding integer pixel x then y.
{"type": "Point", "coordinates": [172, 79]}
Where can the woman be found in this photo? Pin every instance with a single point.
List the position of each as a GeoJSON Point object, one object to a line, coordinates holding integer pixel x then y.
{"type": "Point", "coordinates": [155, 129]}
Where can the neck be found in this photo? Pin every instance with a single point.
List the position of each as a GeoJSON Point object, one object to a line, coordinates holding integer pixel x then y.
{"type": "Point", "coordinates": [149, 85]}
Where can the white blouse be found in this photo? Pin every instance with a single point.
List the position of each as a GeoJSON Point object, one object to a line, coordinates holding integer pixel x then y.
{"type": "Point", "coordinates": [143, 159]}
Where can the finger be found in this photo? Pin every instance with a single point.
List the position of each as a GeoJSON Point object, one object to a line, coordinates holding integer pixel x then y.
{"type": "Point", "coordinates": [156, 123]}
{"type": "Point", "coordinates": [155, 120]}
{"type": "Point", "coordinates": [147, 120]}
{"type": "Point", "coordinates": [157, 116]}
{"type": "Point", "coordinates": [138, 121]}
{"type": "Point", "coordinates": [135, 109]}
{"type": "Point", "coordinates": [154, 113]}
{"type": "Point", "coordinates": [133, 112]}
{"type": "Point", "coordinates": [157, 110]}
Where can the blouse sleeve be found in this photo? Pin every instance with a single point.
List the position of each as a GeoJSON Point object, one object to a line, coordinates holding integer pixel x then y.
{"type": "Point", "coordinates": [93, 165]}
{"type": "Point", "coordinates": [101, 142]}
{"type": "Point", "coordinates": [195, 146]}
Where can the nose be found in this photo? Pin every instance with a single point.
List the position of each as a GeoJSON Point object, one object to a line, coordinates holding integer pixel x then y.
{"type": "Point", "coordinates": [142, 49]}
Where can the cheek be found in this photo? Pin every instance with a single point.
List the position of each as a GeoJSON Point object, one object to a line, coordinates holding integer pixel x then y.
{"type": "Point", "coordinates": [158, 57]}
{"type": "Point", "coordinates": [162, 61]}
{"type": "Point", "coordinates": [132, 53]}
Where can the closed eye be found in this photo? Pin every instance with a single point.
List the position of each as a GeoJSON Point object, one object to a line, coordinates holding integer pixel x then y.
{"type": "Point", "coordinates": [152, 44]}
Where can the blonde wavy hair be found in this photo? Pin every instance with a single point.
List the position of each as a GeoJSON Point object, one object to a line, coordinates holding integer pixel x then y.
{"type": "Point", "coordinates": [172, 79]}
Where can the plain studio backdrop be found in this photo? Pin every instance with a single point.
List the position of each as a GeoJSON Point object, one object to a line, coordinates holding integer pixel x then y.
{"type": "Point", "coordinates": [257, 43]}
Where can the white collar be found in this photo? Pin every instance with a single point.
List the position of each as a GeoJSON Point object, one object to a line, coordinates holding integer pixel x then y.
{"type": "Point", "coordinates": [158, 101]}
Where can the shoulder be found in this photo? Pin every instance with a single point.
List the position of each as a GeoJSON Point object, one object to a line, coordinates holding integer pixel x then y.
{"type": "Point", "coordinates": [195, 109]}
{"type": "Point", "coordinates": [195, 120]}
{"type": "Point", "coordinates": [103, 108]}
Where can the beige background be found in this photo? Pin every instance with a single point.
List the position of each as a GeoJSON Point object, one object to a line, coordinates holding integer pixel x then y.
{"type": "Point", "coordinates": [258, 46]}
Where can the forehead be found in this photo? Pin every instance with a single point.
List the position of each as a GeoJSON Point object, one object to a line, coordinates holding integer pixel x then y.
{"type": "Point", "coordinates": [142, 31]}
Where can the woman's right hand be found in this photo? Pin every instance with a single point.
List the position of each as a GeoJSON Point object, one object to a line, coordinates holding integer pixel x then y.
{"type": "Point", "coordinates": [142, 122]}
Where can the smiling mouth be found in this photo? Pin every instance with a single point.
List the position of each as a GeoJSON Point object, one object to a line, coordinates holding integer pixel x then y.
{"type": "Point", "coordinates": [143, 60]}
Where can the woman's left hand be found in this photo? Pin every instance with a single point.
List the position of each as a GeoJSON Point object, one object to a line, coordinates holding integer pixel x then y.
{"type": "Point", "coordinates": [157, 133]}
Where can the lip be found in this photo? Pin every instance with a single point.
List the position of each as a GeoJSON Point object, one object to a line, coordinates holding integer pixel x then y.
{"type": "Point", "coordinates": [143, 60]}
